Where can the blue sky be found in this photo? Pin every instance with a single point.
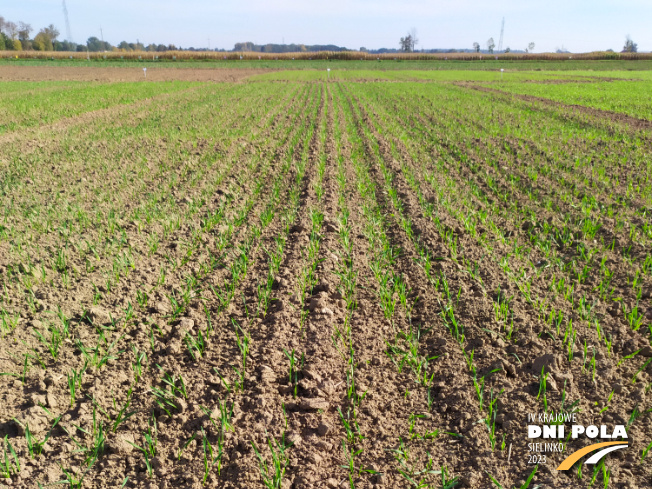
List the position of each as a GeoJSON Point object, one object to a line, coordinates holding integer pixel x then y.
{"type": "Point", "coordinates": [579, 26]}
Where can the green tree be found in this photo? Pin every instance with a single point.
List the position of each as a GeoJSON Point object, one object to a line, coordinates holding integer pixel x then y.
{"type": "Point", "coordinates": [50, 32]}
{"type": "Point", "coordinates": [38, 44]}
{"type": "Point", "coordinates": [630, 46]}
{"type": "Point", "coordinates": [64, 46]}
{"type": "Point", "coordinates": [95, 45]}
{"type": "Point", "coordinates": [491, 45]}
{"type": "Point", "coordinates": [409, 42]}
{"type": "Point", "coordinates": [406, 43]}
{"type": "Point", "coordinates": [18, 46]}
{"type": "Point", "coordinates": [243, 46]}
{"type": "Point", "coordinates": [3, 45]}
{"type": "Point", "coordinates": [476, 47]}
{"type": "Point", "coordinates": [24, 30]}
{"type": "Point", "coordinates": [44, 40]}
{"type": "Point", "coordinates": [9, 44]}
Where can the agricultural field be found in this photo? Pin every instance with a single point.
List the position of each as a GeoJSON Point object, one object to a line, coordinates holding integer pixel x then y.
{"type": "Point", "coordinates": [470, 62]}
{"type": "Point", "coordinates": [279, 281]}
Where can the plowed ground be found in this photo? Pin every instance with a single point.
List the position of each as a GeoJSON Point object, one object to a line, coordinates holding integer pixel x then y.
{"type": "Point", "coordinates": [130, 74]}
{"type": "Point", "coordinates": [365, 281]}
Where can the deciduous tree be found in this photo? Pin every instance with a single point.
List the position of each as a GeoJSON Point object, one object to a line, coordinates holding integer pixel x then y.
{"type": "Point", "coordinates": [24, 30]}
{"type": "Point", "coordinates": [11, 29]}
{"type": "Point", "coordinates": [491, 45]}
{"type": "Point", "coordinates": [630, 46]}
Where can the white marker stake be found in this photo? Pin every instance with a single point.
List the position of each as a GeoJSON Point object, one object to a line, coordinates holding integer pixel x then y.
{"type": "Point", "coordinates": [328, 74]}
{"type": "Point", "coordinates": [501, 74]}
{"type": "Point", "coordinates": [145, 72]}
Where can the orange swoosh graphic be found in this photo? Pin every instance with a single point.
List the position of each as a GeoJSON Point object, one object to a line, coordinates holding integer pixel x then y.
{"type": "Point", "coordinates": [575, 456]}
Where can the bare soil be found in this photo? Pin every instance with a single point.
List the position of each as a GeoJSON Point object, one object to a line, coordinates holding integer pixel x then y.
{"type": "Point", "coordinates": [130, 74]}
{"type": "Point", "coordinates": [245, 171]}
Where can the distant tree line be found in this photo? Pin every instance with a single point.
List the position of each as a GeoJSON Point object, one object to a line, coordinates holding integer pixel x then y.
{"type": "Point", "coordinates": [284, 48]}
{"type": "Point", "coordinates": [17, 37]}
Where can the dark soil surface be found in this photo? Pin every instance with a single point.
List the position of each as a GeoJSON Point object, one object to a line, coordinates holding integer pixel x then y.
{"type": "Point", "coordinates": [131, 74]}
{"type": "Point", "coordinates": [138, 243]}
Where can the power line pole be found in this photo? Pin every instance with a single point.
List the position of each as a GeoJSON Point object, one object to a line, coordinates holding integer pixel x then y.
{"type": "Point", "coordinates": [502, 32]}
{"type": "Point", "coordinates": [65, 15]}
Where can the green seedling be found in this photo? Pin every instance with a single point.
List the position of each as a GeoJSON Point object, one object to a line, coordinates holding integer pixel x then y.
{"type": "Point", "coordinates": [34, 447]}
{"type": "Point", "coordinates": [54, 343]}
{"type": "Point", "coordinates": [225, 418]}
{"type": "Point", "coordinates": [142, 298]}
{"type": "Point", "coordinates": [543, 387]}
{"type": "Point", "coordinates": [350, 466]}
{"type": "Point", "coordinates": [75, 383]}
{"type": "Point", "coordinates": [296, 367]}
{"type": "Point", "coordinates": [272, 473]}
{"type": "Point", "coordinates": [137, 367]}
{"type": "Point", "coordinates": [150, 443]}
{"type": "Point", "coordinates": [528, 481]}
{"type": "Point", "coordinates": [11, 466]}
{"type": "Point", "coordinates": [643, 455]}
{"type": "Point", "coordinates": [176, 385]}
{"type": "Point", "coordinates": [164, 400]}
{"type": "Point", "coordinates": [211, 456]}
{"type": "Point", "coordinates": [123, 415]}
{"type": "Point", "coordinates": [636, 413]}
{"type": "Point", "coordinates": [227, 386]}
{"type": "Point", "coordinates": [99, 441]}
{"type": "Point", "coordinates": [418, 478]}
{"type": "Point", "coordinates": [196, 346]}
{"type": "Point", "coordinates": [351, 427]}
{"type": "Point", "coordinates": [412, 429]}
{"type": "Point", "coordinates": [73, 481]}
{"type": "Point", "coordinates": [647, 362]}
{"type": "Point", "coordinates": [185, 445]}
{"type": "Point", "coordinates": [494, 481]}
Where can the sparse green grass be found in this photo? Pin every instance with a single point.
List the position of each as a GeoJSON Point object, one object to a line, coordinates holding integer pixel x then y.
{"type": "Point", "coordinates": [449, 215]}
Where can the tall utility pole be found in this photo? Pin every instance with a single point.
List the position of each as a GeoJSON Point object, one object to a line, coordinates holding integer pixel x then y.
{"type": "Point", "coordinates": [502, 32]}
{"type": "Point", "coordinates": [65, 15]}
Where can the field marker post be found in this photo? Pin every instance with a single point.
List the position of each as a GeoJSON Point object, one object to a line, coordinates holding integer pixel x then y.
{"type": "Point", "coordinates": [328, 74]}
{"type": "Point", "coordinates": [501, 73]}
{"type": "Point", "coordinates": [145, 72]}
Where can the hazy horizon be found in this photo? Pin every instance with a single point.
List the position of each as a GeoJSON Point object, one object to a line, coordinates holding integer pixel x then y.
{"type": "Point", "coordinates": [579, 26]}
